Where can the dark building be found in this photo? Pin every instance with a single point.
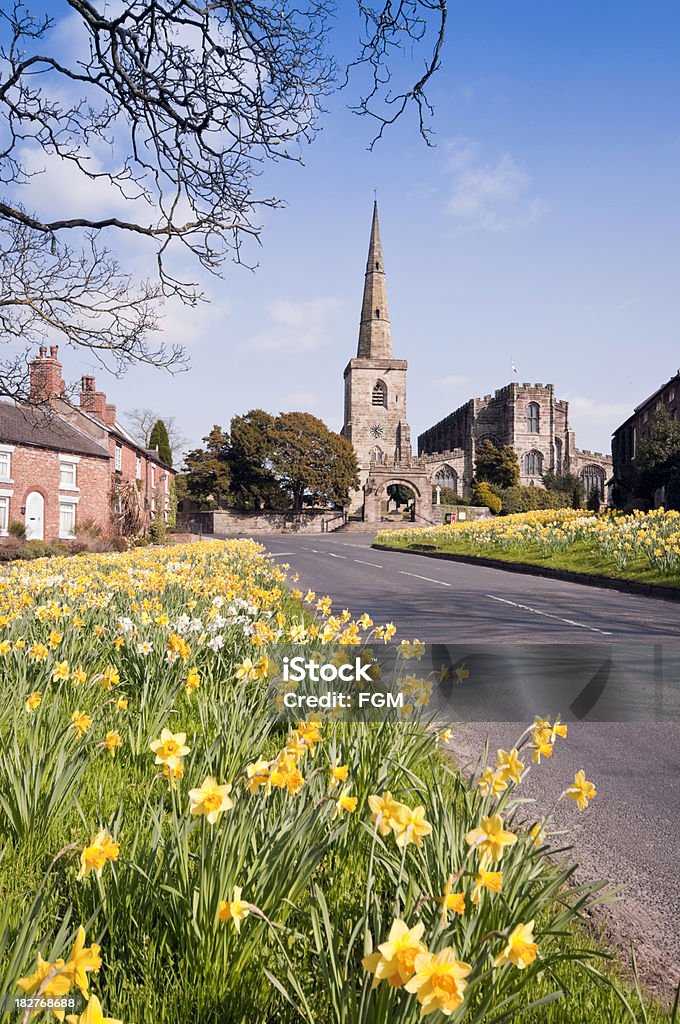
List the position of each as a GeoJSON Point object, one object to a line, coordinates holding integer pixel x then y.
{"type": "Point", "coordinates": [626, 438]}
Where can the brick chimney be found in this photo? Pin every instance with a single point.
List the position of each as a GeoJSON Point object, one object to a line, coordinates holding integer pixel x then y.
{"type": "Point", "coordinates": [91, 400]}
{"type": "Point", "coordinates": [110, 414]}
{"type": "Point", "coordinates": [45, 379]}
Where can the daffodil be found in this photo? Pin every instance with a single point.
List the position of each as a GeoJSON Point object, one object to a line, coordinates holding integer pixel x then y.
{"type": "Point", "coordinates": [491, 880]}
{"type": "Point", "coordinates": [581, 790]}
{"type": "Point", "coordinates": [82, 960]}
{"type": "Point", "coordinates": [394, 960]}
{"type": "Point", "coordinates": [384, 812]}
{"type": "Point", "coordinates": [451, 901]}
{"type": "Point", "coordinates": [490, 839]}
{"type": "Point", "coordinates": [170, 748]}
{"type": "Point", "coordinates": [211, 799]}
{"type": "Point", "coordinates": [112, 742]}
{"type": "Point", "coordinates": [411, 826]}
{"type": "Point", "coordinates": [521, 949]}
{"type": "Point", "coordinates": [236, 910]}
{"type": "Point", "coordinates": [509, 765]}
{"type": "Point", "coordinates": [439, 981]}
{"type": "Point", "coordinates": [33, 700]}
{"type": "Point", "coordinates": [92, 1014]}
{"type": "Point", "coordinates": [80, 722]}
{"type": "Point", "coordinates": [491, 782]}
{"type": "Point", "coordinates": [95, 856]}
{"type": "Point", "coordinates": [345, 802]}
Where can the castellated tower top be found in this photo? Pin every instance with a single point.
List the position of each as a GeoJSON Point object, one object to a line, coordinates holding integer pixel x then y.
{"type": "Point", "coordinates": [375, 336]}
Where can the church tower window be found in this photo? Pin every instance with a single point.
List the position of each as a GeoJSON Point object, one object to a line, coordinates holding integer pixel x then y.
{"type": "Point", "coordinates": [377, 314]}
{"type": "Point", "coordinates": [379, 396]}
{"type": "Point", "coordinates": [533, 417]}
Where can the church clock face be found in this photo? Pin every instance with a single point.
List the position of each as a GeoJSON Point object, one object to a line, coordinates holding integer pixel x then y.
{"type": "Point", "coordinates": [377, 430]}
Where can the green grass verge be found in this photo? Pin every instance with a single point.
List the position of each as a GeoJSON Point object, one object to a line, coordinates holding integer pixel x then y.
{"type": "Point", "coordinates": [580, 557]}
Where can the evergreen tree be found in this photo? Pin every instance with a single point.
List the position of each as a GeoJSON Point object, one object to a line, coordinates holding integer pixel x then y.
{"type": "Point", "coordinates": [207, 477]}
{"type": "Point", "coordinates": [253, 482]}
{"type": "Point", "coordinates": [497, 465]}
{"type": "Point", "coordinates": [158, 439]}
{"type": "Point", "coordinates": [311, 462]}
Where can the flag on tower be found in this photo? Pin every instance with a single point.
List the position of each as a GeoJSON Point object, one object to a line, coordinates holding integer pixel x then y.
{"type": "Point", "coordinates": [514, 368]}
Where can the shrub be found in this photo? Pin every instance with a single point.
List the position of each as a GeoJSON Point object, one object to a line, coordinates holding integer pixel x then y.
{"type": "Point", "coordinates": [17, 529]}
{"type": "Point", "coordinates": [483, 495]}
{"type": "Point", "coordinates": [527, 499]}
{"type": "Point", "coordinates": [157, 529]}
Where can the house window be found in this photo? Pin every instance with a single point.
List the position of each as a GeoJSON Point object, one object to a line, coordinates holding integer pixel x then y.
{"type": "Point", "coordinates": [4, 515]}
{"type": "Point", "coordinates": [118, 458]}
{"type": "Point", "coordinates": [67, 474]}
{"type": "Point", "coordinates": [645, 416]}
{"type": "Point", "coordinates": [153, 476]}
{"type": "Point", "coordinates": [138, 468]}
{"type": "Point", "coordinates": [533, 417]}
{"type": "Point", "coordinates": [67, 519]}
{"type": "Point", "coordinates": [671, 395]}
{"type": "Point", "coordinates": [533, 463]}
{"type": "Point", "coordinates": [5, 465]}
{"type": "Point", "coordinates": [379, 395]}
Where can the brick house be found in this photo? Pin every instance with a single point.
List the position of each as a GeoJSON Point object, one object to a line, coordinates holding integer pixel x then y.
{"type": "Point", "coordinates": [63, 464]}
{"type": "Point", "coordinates": [626, 437]}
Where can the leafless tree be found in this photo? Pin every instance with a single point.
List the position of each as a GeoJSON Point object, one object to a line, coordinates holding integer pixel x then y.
{"type": "Point", "coordinates": [142, 422]}
{"type": "Point", "coordinates": [176, 106]}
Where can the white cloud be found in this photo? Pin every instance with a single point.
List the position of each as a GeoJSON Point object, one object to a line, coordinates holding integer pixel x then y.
{"type": "Point", "coordinates": [492, 196]}
{"type": "Point", "coordinates": [451, 380]}
{"type": "Point", "coordinates": [296, 326]}
{"type": "Point", "coordinates": [589, 412]}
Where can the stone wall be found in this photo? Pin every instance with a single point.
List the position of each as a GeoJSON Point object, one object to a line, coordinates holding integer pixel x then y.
{"type": "Point", "coordinates": [229, 523]}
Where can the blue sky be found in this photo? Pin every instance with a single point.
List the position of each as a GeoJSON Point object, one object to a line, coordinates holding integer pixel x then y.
{"type": "Point", "coordinates": [543, 227]}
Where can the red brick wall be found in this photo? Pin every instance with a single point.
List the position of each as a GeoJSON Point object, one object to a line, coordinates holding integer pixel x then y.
{"type": "Point", "coordinates": [152, 476]}
{"type": "Point", "coordinates": [37, 469]}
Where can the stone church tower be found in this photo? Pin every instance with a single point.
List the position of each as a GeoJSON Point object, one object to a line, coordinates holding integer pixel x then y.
{"type": "Point", "coordinates": [375, 395]}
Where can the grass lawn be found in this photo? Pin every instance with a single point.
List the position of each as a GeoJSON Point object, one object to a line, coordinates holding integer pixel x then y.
{"type": "Point", "coordinates": [580, 557]}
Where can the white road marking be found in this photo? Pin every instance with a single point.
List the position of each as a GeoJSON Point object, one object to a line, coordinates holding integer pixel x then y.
{"type": "Point", "coordinates": [331, 555]}
{"type": "Point", "coordinates": [280, 554]}
{"type": "Point", "coordinates": [548, 615]}
{"type": "Point", "coordinates": [374, 564]}
{"type": "Point", "coordinates": [427, 578]}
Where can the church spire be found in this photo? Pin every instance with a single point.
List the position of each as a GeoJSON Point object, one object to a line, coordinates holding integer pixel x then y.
{"type": "Point", "coordinates": [375, 337]}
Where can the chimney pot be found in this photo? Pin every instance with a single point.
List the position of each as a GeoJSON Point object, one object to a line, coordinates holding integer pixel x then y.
{"type": "Point", "coordinates": [53, 351]}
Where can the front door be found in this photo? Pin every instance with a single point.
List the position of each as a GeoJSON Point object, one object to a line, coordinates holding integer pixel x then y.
{"type": "Point", "coordinates": [35, 516]}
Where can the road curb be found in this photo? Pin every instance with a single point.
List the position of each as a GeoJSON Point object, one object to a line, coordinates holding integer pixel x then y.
{"type": "Point", "coordinates": [652, 590]}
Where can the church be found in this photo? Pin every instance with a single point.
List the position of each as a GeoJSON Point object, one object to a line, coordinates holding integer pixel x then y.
{"type": "Point", "coordinates": [528, 417]}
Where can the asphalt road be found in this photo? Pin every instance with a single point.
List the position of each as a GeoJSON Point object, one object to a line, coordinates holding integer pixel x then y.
{"type": "Point", "coordinates": [631, 831]}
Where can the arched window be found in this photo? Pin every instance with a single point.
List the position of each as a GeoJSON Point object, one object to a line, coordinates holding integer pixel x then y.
{"type": "Point", "coordinates": [377, 456]}
{"type": "Point", "coordinates": [377, 266]}
{"type": "Point", "coordinates": [446, 477]}
{"type": "Point", "coordinates": [533, 417]}
{"type": "Point", "coordinates": [488, 437]}
{"type": "Point", "coordinates": [377, 314]}
{"type": "Point", "coordinates": [379, 396]}
{"type": "Point", "coordinates": [558, 455]}
{"type": "Point", "coordinates": [593, 480]}
{"type": "Point", "coordinates": [532, 464]}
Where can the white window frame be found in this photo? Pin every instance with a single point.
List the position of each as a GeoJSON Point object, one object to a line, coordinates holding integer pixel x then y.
{"type": "Point", "coordinates": [6, 451]}
{"type": "Point", "coordinates": [118, 458]}
{"type": "Point", "coordinates": [72, 504]}
{"type": "Point", "coordinates": [68, 462]}
{"type": "Point", "coordinates": [4, 506]}
{"type": "Point", "coordinates": [138, 467]}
